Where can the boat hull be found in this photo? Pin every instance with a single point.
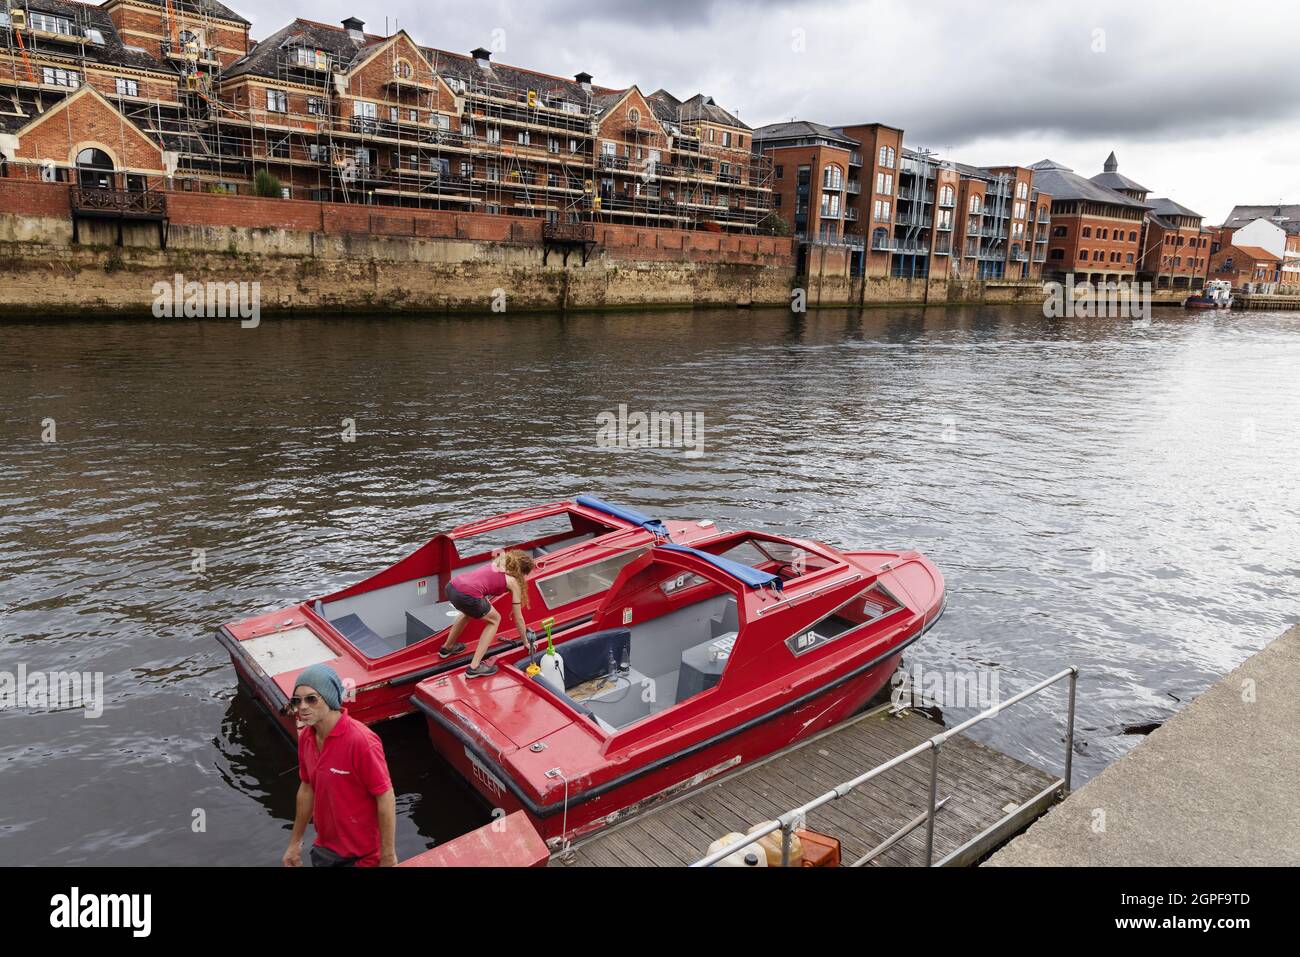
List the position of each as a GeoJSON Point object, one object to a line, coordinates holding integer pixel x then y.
{"type": "Point", "coordinates": [718, 752]}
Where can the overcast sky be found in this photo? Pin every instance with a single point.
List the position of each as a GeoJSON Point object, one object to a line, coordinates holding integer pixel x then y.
{"type": "Point", "coordinates": [1198, 100]}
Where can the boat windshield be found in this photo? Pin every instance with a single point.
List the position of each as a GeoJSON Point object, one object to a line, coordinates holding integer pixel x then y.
{"type": "Point", "coordinates": [574, 584]}
{"type": "Point", "coordinates": [784, 559]}
{"type": "Point", "coordinates": [537, 536]}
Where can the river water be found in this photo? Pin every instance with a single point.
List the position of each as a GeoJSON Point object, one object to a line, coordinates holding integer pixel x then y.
{"type": "Point", "coordinates": [1113, 495]}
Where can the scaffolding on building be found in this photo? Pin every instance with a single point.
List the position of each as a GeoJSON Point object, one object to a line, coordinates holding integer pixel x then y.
{"type": "Point", "coordinates": [514, 148]}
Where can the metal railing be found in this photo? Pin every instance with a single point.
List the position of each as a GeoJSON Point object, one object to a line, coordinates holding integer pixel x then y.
{"type": "Point", "coordinates": [788, 821]}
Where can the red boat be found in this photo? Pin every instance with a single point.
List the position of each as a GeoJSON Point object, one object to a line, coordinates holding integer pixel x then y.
{"type": "Point", "coordinates": [383, 634]}
{"type": "Point", "coordinates": [697, 661]}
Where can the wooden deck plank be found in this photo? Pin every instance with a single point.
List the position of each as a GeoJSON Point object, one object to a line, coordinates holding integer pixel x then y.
{"type": "Point", "coordinates": [980, 781]}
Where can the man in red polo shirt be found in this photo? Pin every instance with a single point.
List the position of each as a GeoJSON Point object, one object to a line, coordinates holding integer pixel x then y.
{"type": "Point", "coordinates": [345, 789]}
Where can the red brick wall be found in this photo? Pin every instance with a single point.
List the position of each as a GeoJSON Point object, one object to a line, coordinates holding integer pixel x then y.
{"type": "Point", "coordinates": [26, 198]}
{"type": "Point", "coordinates": [619, 242]}
{"type": "Point", "coordinates": [624, 243]}
{"type": "Point", "coordinates": [89, 120]}
{"type": "Point", "coordinates": [147, 28]}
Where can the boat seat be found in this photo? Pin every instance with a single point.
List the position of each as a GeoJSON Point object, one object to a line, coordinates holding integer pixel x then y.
{"type": "Point", "coordinates": [362, 637]}
{"type": "Point", "coordinates": [588, 656]}
{"type": "Point", "coordinates": [427, 620]}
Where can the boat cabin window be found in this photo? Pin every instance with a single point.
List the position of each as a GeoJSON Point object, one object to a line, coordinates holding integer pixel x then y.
{"type": "Point", "coordinates": [863, 609]}
{"type": "Point", "coordinates": [584, 581]}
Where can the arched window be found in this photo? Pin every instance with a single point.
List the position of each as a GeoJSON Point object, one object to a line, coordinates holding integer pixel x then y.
{"type": "Point", "coordinates": [1132, 237]}
{"type": "Point", "coordinates": [1087, 232]}
{"type": "Point", "coordinates": [975, 204]}
{"type": "Point", "coordinates": [832, 177]}
{"type": "Point", "coordinates": [1083, 255]}
{"type": "Point", "coordinates": [880, 238]}
{"type": "Point", "coordinates": [946, 196]}
{"type": "Point", "coordinates": [94, 169]}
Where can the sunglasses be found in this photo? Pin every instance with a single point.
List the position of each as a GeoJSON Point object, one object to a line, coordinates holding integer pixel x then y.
{"type": "Point", "coordinates": [310, 699]}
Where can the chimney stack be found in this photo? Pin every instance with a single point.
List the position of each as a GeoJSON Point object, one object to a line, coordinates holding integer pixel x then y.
{"type": "Point", "coordinates": [584, 80]}
{"type": "Point", "coordinates": [356, 29]}
{"type": "Point", "coordinates": [482, 57]}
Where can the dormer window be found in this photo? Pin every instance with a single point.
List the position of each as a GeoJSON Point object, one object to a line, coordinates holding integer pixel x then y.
{"type": "Point", "coordinates": [49, 23]}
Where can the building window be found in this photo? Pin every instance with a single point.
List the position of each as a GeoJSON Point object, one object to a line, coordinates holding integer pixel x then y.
{"type": "Point", "coordinates": [1132, 237]}
{"type": "Point", "coordinates": [1129, 258]}
{"type": "Point", "coordinates": [947, 196]}
{"type": "Point", "coordinates": [402, 70]}
{"type": "Point", "coordinates": [1083, 255]}
{"type": "Point", "coordinates": [52, 24]}
{"type": "Point", "coordinates": [887, 157]}
{"type": "Point", "coordinates": [53, 76]}
{"type": "Point", "coordinates": [776, 201]}
{"type": "Point", "coordinates": [608, 149]}
{"type": "Point", "coordinates": [493, 173]}
{"type": "Point", "coordinates": [1057, 254]}
{"type": "Point", "coordinates": [277, 101]}
{"type": "Point", "coordinates": [316, 106]}
{"type": "Point", "coordinates": [313, 59]}
{"type": "Point", "coordinates": [524, 138]}
{"type": "Point", "coordinates": [1103, 234]}
{"type": "Point", "coordinates": [726, 138]}
{"type": "Point", "coordinates": [1059, 231]}
{"type": "Point", "coordinates": [975, 204]}
{"type": "Point", "coordinates": [780, 171]}
{"type": "Point", "coordinates": [493, 134]}
{"type": "Point", "coordinates": [1087, 232]}
{"type": "Point", "coordinates": [1019, 211]}
{"type": "Point", "coordinates": [885, 183]}
{"type": "Point", "coordinates": [127, 87]}
{"type": "Point", "coordinates": [881, 210]}
{"type": "Point", "coordinates": [1022, 191]}
{"type": "Point", "coordinates": [832, 178]}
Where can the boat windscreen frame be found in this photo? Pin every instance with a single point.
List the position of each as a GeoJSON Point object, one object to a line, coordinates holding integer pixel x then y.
{"type": "Point", "coordinates": [747, 575]}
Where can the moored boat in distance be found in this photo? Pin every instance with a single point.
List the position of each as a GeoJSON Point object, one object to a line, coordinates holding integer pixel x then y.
{"type": "Point", "coordinates": [1217, 294]}
{"type": "Point", "coordinates": [697, 661]}
{"type": "Point", "coordinates": [382, 634]}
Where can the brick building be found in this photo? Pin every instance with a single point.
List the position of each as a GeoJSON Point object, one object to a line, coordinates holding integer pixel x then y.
{"type": "Point", "coordinates": [1096, 231]}
{"type": "Point", "coordinates": [1175, 247]}
{"type": "Point", "coordinates": [336, 113]}
{"type": "Point", "coordinates": [900, 211]}
{"type": "Point", "coordinates": [1286, 244]}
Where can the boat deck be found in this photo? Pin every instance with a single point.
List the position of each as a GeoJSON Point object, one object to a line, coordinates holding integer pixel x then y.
{"type": "Point", "coordinates": [991, 797]}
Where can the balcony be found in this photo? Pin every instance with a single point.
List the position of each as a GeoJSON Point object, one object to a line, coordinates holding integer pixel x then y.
{"type": "Point", "coordinates": [119, 203]}
{"type": "Point", "coordinates": [943, 248]}
{"type": "Point", "coordinates": [612, 162]}
{"type": "Point", "coordinates": [854, 187]}
{"type": "Point", "coordinates": [851, 214]}
{"type": "Point", "coordinates": [945, 225]}
{"type": "Point", "coordinates": [912, 219]}
{"type": "Point", "coordinates": [569, 232]}
{"type": "Point", "coordinates": [911, 249]}
{"type": "Point", "coordinates": [882, 244]}
{"type": "Point", "coordinates": [855, 159]}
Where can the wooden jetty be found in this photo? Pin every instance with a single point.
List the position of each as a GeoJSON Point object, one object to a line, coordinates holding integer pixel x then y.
{"type": "Point", "coordinates": [991, 797]}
